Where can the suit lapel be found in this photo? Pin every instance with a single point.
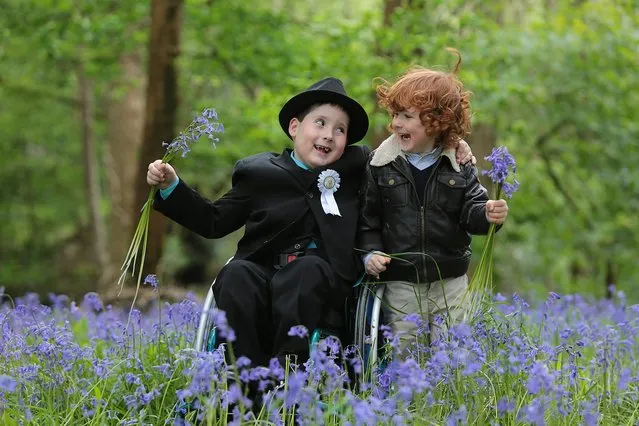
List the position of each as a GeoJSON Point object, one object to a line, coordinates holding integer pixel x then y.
{"type": "Point", "coordinates": [302, 177]}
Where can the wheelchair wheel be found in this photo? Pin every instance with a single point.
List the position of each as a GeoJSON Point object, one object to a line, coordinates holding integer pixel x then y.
{"type": "Point", "coordinates": [206, 329]}
{"type": "Point", "coordinates": [367, 334]}
{"type": "Point", "coordinates": [205, 339]}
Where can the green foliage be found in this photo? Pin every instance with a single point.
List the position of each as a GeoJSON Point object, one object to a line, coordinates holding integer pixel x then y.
{"type": "Point", "coordinates": [556, 83]}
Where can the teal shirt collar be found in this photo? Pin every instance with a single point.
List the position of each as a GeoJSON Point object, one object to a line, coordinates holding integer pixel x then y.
{"type": "Point", "coordinates": [299, 163]}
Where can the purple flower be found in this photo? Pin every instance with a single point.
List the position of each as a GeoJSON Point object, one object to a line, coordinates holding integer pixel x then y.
{"type": "Point", "coordinates": [364, 413]}
{"type": "Point", "coordinates": [7, 384]}
{"type": "Point", "coordinates": [58, 301]}
{"type": "Point", "coordinates": [624, 379]}
{"type": "Point", "coordinates": [299, 331]}
{"type": "Point", "coordinates": [510, 188]}
{"type": "Point", "coordinates": [277, 371]}
{"type": "Point", "coordinates": [93, 302]}
{"type": "Point", "coordinates": [384, 380]}
{"type": "Point", "coordinates": [534, 413]}
{"type": "Point", "coordinates": [243, 362]}
{"type": "Point", "coordinates": [152, 280]}
{"type": "Point", "coordinates": [504, 406]}
{"type": "Point", "coordinates": [520, 302]}
{"type": "Point", "coordinates": [458, 417]}
{"type": "Point", "coordinates": [539, 378]}
{"type": "Point", "coordinates": [222, 324]}
{"type": "Point", "coordinates": [503, 164]}
{"type": "Point", "coordinates": [205, 124]}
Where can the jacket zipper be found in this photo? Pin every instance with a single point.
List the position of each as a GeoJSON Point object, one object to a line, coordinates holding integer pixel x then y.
{"type": "Point", "coordinates": [423, 219]}
{"type": "Point", "coordinates": [422, 211]}
{"type": "Point", "coordinates": [422, 225]}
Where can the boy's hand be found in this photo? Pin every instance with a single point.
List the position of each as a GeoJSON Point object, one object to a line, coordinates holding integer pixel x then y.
{"type": "Point", "coordinates": [160, 174]}
{"type": "Point", "coordinates": [496, 211]}
{"type": "Point", "coordinates": [377, 264]}
{"type": "Point", "coordinates": [463, 154]}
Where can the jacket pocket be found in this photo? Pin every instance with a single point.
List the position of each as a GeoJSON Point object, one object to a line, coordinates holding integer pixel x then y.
{"type": "Point", "coordinates": [450, 191]}
{"type": "Point", "coordinates": [393, 190]}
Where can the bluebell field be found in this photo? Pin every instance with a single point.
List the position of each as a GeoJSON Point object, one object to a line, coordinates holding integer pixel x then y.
{"type": "Point", "coordinates": [565, 361]}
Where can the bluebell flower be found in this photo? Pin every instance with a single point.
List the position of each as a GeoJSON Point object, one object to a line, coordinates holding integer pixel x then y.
{"type": "Point", "coordinates": [93, 302]}
{"type": "Point", "coordinates": [152, 280]}
{"type": "Point", "coordinates": [299, 331]}
{"type": "Point", "coordinates": [7, 383]}
{"type": "Point", "coordinates": [276, 369]}
{"type": "Point", "coordinates": [505, 406]}
{"type": "Point", "coordinates": [539, 378]}
{"type": "Point", "coordinates": [223, 328]}
{"type": "Point", "coordinates": [459, 416]}
{"type": "Point", "coordinates": [534, 412]}
{"type": "Point", "coordinates": [510, 188]}
{"type": "Point", "coordinates": [205, 124]}
{"type": "Point", "coordinates": [503, 164]}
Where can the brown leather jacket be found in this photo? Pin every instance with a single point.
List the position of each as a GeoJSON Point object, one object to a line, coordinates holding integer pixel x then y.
{"type": "Point", "coordinates": [434, 238]}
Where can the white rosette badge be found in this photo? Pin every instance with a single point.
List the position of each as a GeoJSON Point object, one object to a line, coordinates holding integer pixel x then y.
{"type": "Point", "coordinates": [328, 183]}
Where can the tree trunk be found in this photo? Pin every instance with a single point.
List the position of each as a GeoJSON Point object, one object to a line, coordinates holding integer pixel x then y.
{"type": "Point", "coordinates": [389, 8]}
{"type": "Point", "coordinates": [125, 120]}
{"type": "Point", "coordinates": [161, 107]}
{"type": "Point", "coordinates": [91, 179]}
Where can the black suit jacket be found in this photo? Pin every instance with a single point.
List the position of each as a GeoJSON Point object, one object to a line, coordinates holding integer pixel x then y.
{"type": "Point", "coordinates": [269, 193]}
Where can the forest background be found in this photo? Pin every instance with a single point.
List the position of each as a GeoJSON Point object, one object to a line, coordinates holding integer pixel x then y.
{"type": "Point", "coordinates": [90, 90]}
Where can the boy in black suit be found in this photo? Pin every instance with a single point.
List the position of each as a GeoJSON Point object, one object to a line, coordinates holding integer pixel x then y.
{"type": "Point", "coordinates": [300, 208]}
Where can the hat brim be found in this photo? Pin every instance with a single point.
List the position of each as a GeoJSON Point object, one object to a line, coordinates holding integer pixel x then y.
{"type": "Point", "coordinates": [358, 119]}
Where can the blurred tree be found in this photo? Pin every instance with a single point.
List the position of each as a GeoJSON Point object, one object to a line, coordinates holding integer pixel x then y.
{"type": "Point", "coordinates": [160, 115]}
{"type": "Point", "coordinates": [554, 81]}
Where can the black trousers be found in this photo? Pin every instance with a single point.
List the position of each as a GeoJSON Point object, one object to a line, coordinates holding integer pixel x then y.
{"type": "Point", "coordinates": [263, 303]}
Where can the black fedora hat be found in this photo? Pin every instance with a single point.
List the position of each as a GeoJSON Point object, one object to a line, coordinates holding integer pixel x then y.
{"type": "Point", "coordinates": [329, 90]}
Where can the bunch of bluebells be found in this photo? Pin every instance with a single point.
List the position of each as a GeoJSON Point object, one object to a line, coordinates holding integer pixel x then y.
{"type": "Point", "coordinates": [504, 167]}
{"type": "Point", "coordinates": [480, 287]}
{"type": "Point", "coordinates": [205, 124]}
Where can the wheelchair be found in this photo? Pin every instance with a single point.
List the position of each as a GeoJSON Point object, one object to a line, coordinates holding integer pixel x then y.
{"type": "Point", "coordinates": [364, 317]}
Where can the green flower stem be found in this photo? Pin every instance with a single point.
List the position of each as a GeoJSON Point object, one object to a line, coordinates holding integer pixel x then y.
{"type": "Point", "coordinates": [481, 285]}
{"type": "Point", "coordinates": [140, 237]}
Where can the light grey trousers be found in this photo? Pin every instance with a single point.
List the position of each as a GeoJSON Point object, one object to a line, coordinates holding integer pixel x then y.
{"type": "Point", "coordinates": [446, 298]}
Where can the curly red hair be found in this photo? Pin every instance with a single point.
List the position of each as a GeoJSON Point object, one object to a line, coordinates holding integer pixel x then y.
{"type": "Point", "coordinates": [440, 98]}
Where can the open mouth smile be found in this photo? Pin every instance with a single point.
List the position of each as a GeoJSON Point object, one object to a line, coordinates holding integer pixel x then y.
{"type": "Point", "coordinates": [404, 136]}
{"type": "Point", "coordinates": [323, 149]}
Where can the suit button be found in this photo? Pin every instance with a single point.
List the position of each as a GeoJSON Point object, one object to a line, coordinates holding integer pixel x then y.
{"type": "Point", "coordinates": [391, 181]}
{"type": "Point", "coordinates": [451, 182]}
{"type": "Point", "coordinates": [298, 246]}
{"type": "Point", "coordinates": [309, 194]}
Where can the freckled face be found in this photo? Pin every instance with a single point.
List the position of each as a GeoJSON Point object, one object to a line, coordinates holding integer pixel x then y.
{"type": "Point", "coordinates": [320, 138]}
{"type": "Point", "coordinates": [411, 132]}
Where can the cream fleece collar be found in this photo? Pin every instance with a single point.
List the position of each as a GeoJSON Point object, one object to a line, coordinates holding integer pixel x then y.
{"type": "Point", "coordinates": [389, 150]}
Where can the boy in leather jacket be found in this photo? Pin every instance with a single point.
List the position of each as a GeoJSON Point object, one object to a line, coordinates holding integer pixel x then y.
{"type": "Point", "coordinates": [418, 203]}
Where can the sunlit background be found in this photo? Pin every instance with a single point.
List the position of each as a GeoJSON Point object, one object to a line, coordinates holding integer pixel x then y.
{"type": "Point", "coordinates": [90, 90]}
